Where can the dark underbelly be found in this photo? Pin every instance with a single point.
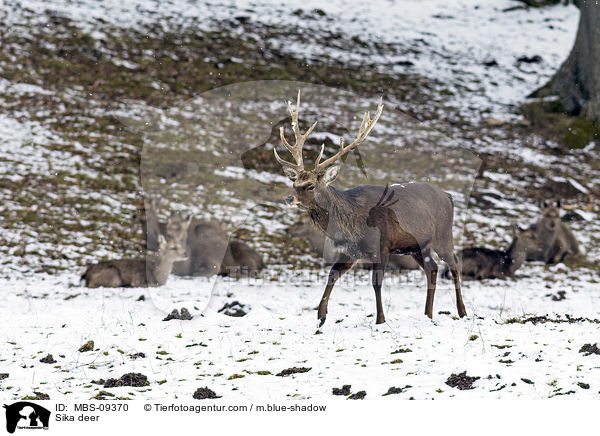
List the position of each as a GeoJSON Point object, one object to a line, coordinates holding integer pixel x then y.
{"type": "Point", "coordinates": [406, 251]}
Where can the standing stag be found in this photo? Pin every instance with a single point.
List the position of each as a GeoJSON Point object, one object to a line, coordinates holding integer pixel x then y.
{"type": "Point", "coordinates": [367, 223]}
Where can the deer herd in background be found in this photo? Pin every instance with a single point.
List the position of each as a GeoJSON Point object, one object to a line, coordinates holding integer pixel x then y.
{"type": "Point", "coordinates": [393, 227]}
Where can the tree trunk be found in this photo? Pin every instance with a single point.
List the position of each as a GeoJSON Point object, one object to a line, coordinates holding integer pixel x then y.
{"type": "Point", "coordinates": [577, 82]}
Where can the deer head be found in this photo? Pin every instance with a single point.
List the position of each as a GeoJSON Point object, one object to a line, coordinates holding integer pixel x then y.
{"type": "Point", "coordinates": [550, 215]}
{"type": "Point", "coordinates": [309, 183]}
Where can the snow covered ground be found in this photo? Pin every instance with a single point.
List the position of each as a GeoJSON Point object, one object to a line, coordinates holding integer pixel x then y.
{"type": "Point", "coordinates": [240, 357]}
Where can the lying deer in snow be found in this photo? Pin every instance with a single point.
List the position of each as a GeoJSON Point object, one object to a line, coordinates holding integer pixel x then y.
{"type": "Point", "coordinates": [479, 263]}
{"type": "Point", "coordinates": [418, 223]}
{"type": "Point", "coordinates": [209, 249]}
{"type": "Point", "coordinates": [141, 272]}
{"type": "Point", "coordinates": [558, 240]}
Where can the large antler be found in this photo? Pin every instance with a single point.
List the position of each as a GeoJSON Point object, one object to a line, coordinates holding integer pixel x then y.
{"type": "Point", "coordinates": [296, 149]}
{"type": "Point", "coordinates": [365, 127]}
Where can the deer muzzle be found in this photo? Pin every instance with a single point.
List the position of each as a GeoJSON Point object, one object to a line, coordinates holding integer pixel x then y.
{"type": "Point", "coordinates": [291, 201]}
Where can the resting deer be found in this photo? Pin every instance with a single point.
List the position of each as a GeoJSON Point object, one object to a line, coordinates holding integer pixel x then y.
{"type": "Point", "coordinates": [558, 240]}
{"type": "Point", "coordinates": [136, 273]}
{"type": "Point", "coordinates": [484, 263]}
{"type": "Point", "coordinates": [209, 249]}
{"type": "Point", "coordinates": [305, 228]}
{"type": "Point", "coordinates": [418, 223]}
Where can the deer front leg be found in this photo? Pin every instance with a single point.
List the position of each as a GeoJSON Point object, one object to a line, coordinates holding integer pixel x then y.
{"type": "Point", "coordinates": [341, 265]}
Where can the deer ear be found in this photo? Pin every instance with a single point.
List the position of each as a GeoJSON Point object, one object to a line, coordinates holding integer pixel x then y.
{"type": "Point", "coordinates": [331, 173]}
{"type": "Point", "coordinates": [290, 173]}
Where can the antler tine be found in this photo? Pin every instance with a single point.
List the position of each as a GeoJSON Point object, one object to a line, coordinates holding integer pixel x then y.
{"type": "Point", "coordinates": [296, 149]}
{"type": "Point", "coordinates": [284, 162]}
{"type": "Point", "coordinates": [366, 126]}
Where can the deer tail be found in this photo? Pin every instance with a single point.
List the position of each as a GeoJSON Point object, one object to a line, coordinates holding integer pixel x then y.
{"type": "Point", "coordinates": [451, 199]}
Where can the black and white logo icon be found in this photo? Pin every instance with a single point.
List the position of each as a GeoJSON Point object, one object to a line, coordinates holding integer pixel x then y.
{"type": "Point", "coordinates": [26, 415]}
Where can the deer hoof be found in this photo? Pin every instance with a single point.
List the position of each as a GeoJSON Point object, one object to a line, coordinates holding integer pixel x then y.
{"type": "Point", "coordinates": [380, 321]}
{"type": "Point", "coordinates": [321, 322]}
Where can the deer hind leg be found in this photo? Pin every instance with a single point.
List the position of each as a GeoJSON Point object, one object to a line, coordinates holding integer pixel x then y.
{"type": "Point", "coordinates": [342, 265]}
{"type": "Point", "coordinates": [430, 267]}
{"type": "Point", "coordinates": [378, 272]}
{"type": "Point", "coordinates": [451, 260]}
{"type": "Point", "coordinates": [454, 269]}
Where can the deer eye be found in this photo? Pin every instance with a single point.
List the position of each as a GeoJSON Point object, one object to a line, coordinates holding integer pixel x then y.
{"type": "Point", "coordinates": [310, 188]}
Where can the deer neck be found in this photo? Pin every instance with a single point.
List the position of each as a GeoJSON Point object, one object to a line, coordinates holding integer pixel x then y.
{"type": "Point", "coordinates": [336, 214]}
{"type": "Point", "coordinates": [515, 257]}
{"type": "Point", "coordinates": [160, 267]}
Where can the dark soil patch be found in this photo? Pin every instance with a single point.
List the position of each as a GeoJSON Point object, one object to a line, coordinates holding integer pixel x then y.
{"type": "Point", "coordinates": [394, 390]}
{"type": "Point", "coordinates": [402, 350]}
{"type": "Point", "coordinates": [559, 296]}
{"type": "Point", "coordinates": [138, 355]}
{"type": "Point", "coordinates": [461, 381]}
{"type": "Point", "coordinates": [544, 319]}
{"type": "Point", "coordinates": [130, 379]}
{"type": "Point", "coordinates": [48, 359]}
{"type": "Point", "coordinates": [293, 370]}
{"type": "Point", "coordinates": [344, 390]}
{"type": "Point", "coordinates": [583, 385]}
{"type": "Point", "coordinates": [37, 396]}
{"type": "Point", "coordinates": [360, 395]}
{"type": "Point", "coordinates": [102, 395]}
{"type": "Point", "coordinates": [3, 375]}
{"type": "Point", "coordinates": [535, 59]}
{"type": "Point", "coordinates": [88, 346]}
{"type": "Point", "coordinates": [526, 380]}
{"type": "Point", "coordinates": [562, 393]}
{"type": "Point", "coordinates": [235, 309]}
{"type": "Point", "coordinates": [175, 314]}
{"type": "Point", "coordinates": [498, 389]}
{"type": "Point", "coordinates": [204, 394]}
{"type": "Point", "coordinates": [589, 349]}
